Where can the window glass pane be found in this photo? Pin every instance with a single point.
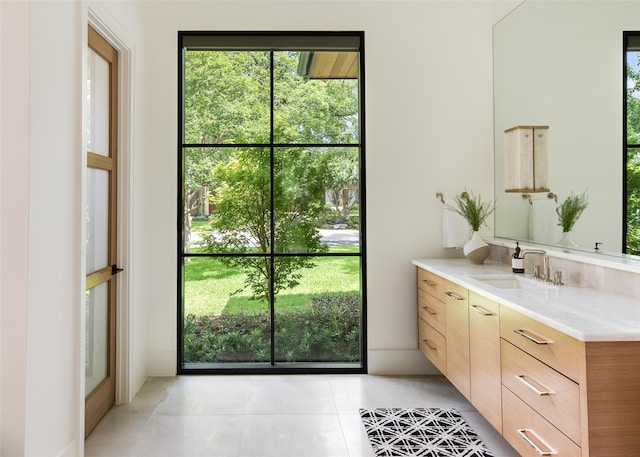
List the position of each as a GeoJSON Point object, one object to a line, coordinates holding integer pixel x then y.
{"type": "Point", "coordinates": [226, 97]}
{"type": "Point", "coordinates": [632, 197]}
{"type": "Point", "coordinates": [96, 337]}
{"type": "Point", "coordinates": [318, 319]}
{"type": "Point", "coordinates": [97, 219]}
{"type": "Point", "coordinates": [316, 198]}
{"type": "Point", "coordinates": [198, 182]}
{"type": "Point", "coordinates": [224, 318]}
{"type": "Point", "coordinates": [98, 102]}
{"type": "Point", "coordinates": [271, 223]}
{"type": "Point", "coordinates": [306, 110]}
{"type": "Point", "coordinates": [633, 201]}
{"type": "Point", "coordinates": [633, 97]}
{"type": "Point", "coordinates": [237, 186]}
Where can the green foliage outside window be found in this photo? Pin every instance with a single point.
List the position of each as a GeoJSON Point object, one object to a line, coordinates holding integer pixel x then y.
{"type": "Point", "coordinates": [633, 160]}
{"type": "Point", "coordinates": [239, 162]}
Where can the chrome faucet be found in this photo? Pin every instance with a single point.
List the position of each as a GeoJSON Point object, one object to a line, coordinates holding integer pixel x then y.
{"type": "Point", "coordinates": [546, 272]}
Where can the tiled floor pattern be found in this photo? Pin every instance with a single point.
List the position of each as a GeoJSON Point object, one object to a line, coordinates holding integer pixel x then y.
{"type": "Point", "coordinates": [264, 416]}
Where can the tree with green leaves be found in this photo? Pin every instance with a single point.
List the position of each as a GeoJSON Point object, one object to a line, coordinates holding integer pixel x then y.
{"type": "Point", "coordinates": [224, 102]}
{"type": "Point", "coordinates": [344, 189]}
{"type": "Point", "coordinates": [242, 224]}
{"type": "Point", "coordinates": [227, 102]}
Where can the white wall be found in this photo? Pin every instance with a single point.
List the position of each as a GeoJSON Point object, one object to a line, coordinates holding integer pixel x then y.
{"type": "Point", "coordinates": [429, 128]}
{"type": "Point", "coordinates": [14, 221]}
{"type": "Point", "coordinates": [55, 218]}
{"type": "Point", "coordinates": [42, 224]}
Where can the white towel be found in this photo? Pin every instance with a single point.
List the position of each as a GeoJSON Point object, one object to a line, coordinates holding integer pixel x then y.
{"type": "Point", "coordinates": [455, 229]}
{"type": "Point", "coordinates": [543, 221]}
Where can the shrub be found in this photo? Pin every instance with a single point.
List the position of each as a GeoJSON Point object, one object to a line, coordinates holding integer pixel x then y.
{"type": "Point", "coordinates": [328, 332]}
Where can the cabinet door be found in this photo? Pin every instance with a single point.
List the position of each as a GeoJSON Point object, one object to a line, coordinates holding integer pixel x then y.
{"type": "Point", "coordinates": [484, 358]}
{"type": "Point", "coordinates": [457, 335]}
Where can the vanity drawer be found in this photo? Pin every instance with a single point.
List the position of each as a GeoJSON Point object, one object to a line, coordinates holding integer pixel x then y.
{"type": "Point", "coordinates": [529, 433]}
{"type": "Point", "coordinates": [551, 346]}
{"type": "Point", "coordinates": [433, 345]}
{"type": "Point", "coordinates": [432, 310]}
{"type": "Point", "coordinates": [551, 394]}
{"type": "Point", "coordinates": [431, 283]}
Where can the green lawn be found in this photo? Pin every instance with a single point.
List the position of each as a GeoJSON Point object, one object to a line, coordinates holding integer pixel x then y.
{"type": "Point", "coordinates": [209, 285]}
{"type": "Point", "coordinates": [199, 224]}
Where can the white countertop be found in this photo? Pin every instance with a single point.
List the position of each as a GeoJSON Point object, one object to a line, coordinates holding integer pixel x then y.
{"type": "Point", "coordinates": [585, 314]}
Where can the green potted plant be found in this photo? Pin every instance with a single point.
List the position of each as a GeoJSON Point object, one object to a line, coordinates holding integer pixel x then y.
{"type": "Point", "coordinates": [568, 213]}
{"type": "Point", "coordinates": [475, 211]}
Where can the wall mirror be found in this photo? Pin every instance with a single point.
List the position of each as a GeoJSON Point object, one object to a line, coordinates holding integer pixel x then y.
{"type": "Point", "coordinates": [559, 64]}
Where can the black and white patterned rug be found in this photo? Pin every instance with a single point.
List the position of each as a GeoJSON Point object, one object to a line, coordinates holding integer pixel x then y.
{"type": "Point", "coordinates": [424, 432]}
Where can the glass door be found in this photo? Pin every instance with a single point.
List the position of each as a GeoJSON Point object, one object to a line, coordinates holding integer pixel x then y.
{"type": "Point", "coordinates": [101, 244]}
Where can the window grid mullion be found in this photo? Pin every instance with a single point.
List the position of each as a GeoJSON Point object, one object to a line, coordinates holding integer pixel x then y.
{"type": "Point", "coordinates": [272, 255]}
{"type": "Point", "coordinates": [272, 303]}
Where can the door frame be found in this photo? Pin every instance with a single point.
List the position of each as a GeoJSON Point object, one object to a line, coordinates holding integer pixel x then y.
{"type": "Point", "coordinates": [125, 384]}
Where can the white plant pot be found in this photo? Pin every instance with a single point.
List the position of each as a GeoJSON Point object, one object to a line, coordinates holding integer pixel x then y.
{"type": "Point", "coordinates": [566, 241]}
{"type": "Point", "coordinates": [476, 249]}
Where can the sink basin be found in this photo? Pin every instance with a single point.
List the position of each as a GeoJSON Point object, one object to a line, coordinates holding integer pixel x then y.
{"type": "Point", "coordinates": [508, 281]}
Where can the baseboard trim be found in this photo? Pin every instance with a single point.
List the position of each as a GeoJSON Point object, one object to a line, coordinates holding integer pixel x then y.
{"type": "Point", "coordinates": [69, 451]}
{"type": "Point", "coordinates": [161, 363]}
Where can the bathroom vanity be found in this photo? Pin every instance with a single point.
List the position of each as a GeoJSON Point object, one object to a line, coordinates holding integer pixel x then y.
{"type": "Point", "coordinates": [555, 369]}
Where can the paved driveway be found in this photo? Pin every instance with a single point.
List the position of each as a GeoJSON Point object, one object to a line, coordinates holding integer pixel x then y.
{"type": "Point", "coordinates": [340, 237]}
{"type": "Point", "coordinates": [330, 237]}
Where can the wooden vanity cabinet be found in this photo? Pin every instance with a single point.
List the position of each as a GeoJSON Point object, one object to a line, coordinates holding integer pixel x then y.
{"type": "Point", "coordinates": [457, 335]}
{"type": "Point", "coordinates": [545, 391]}
{"type": "Point", "coordinates": [540, 375]}
{"type": "Point", "coordinates": [610, 399]}
{"type": "Point", "coordinates": [443, 327]}
{"type": "Point", "coordinates": [431, 284]}
{"type": "Point", "coordinates": [565, 396]}
{"type": "Point", "coordinates": [433, 345]}
{"type": "Point", "coordinates": [459, 332]}
{"type": "Point", "coordinates": [530, 433]}
{"type": "Point", "coordinates": [432, 319]}
{"type": "Point", "coordinates": [484, 358]}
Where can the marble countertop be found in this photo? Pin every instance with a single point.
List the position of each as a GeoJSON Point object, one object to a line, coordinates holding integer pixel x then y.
{"type": "Point", "coordinates": [585, 314]}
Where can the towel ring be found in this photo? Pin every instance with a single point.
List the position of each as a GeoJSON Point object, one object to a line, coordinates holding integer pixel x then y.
{"type": "Point", "coordinates": [441, 196]}
{"type": "Point", "coordinates": [527, 196]}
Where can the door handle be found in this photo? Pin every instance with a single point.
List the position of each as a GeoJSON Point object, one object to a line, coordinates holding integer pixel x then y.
{"type": "Point", "coordinates": [115, 270]}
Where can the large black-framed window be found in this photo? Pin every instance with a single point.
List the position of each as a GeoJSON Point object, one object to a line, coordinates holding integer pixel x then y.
{"type": "Point", "coordinates": [631, 142]}
{"type": "Point", "coordinates": [271, 208]}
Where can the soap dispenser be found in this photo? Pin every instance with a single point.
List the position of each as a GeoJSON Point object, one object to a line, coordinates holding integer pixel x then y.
{"type": "Point", "coordinates": [517, 263]}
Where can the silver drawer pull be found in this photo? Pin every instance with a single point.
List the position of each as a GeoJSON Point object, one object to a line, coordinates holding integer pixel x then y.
{"type": "Point", "coordinates": [481, 310]}
{"type": "Point", "coordinates": [429, 310]}
{"type": "Point", "coordinates": [541, 393]}
{"type": "Point", "coordinates": [524, 334]}
{"type": "Point", "coordinates": [523, 433]}
{"type": "Point", "coordinates": [455, 296]}
{"type": "Point", "coordinates": [429, 345]}
{"type": "Point", "coordinates": [429, 283]}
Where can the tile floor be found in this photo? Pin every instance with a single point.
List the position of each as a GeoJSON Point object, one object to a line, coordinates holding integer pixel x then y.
{"type": "Point", "coordinates": [263, 416]}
